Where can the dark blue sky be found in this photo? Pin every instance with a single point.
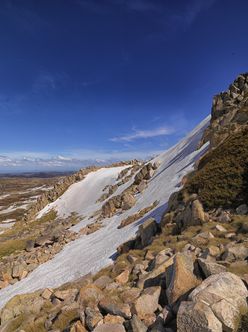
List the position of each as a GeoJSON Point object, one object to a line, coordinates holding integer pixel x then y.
{"type": "Point", "coordinates": [100, 79]}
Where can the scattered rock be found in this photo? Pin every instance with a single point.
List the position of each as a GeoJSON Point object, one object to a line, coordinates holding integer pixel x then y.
{"type": "Point", "coordinates": [196, 317]}
{"type": "Point", "coordinates": [103, 281]}
{"type": "Point", "coordinates": [137, 325]}
{"type": "Point", "coordinates": [235, 252]}
{"type": "Point", "coordinates": [147, 230]}
{"type": "Point", "coordinates": [114, 307]}
{"type": "Point", "coordinates": [180, 278]}
{"type": "Point", "coordinates": [130, 295]}
{"type": "Point", "coordinates": [77, 327]}
{"type": "Point", "coordinates": [214, 305]}
{"type": "Point", "coordinates": [242, 209]}
{"type": "Point", "coordinates": [68, 295]}
{"type": "Point", "coordinates": [128, 201]}
{"type": "Point", "coordinates": [220, 228]}
{"type": "Point", "coordinates": [92, 318]}
{"type": "Point", "coordinates": [112, 319]}
{"type": "Point", "coordinates": [90, 295]}
{"type": "Point", "coordinates": [147, 303]}
{"type": "Point", "coordinates": [29, 245]}
{"type": "Point", "coordinates": [123, 277]}
{"type": "Point", "coordinates": [47, 293]}
{"type": "Point", "coordinates": [110, 328]}
{"type": "Point", "coordinates": [209, 268]}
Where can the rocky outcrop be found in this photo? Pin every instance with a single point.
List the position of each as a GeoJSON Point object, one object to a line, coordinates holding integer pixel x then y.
{"type": "Point", "coordinates": [126, 200]}
{"type": "Point", "coordinates": [59, 188]}
{"type": "Point", "coordinates": [186, 274]}
{"type": "Point", "coordinates": [214, 305]}
{"type": "Point", "coordinates": [180, 278]}
{"type": "Point", "coordinates": [136, 216]}
{"type": "Point", "coordinates": [229, 112]}
{"type": "Point", "coordinates": [55, 235]}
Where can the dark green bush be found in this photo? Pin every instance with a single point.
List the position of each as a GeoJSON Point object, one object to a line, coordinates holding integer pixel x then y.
{"type": "Point", "coordinates": [222, 176]}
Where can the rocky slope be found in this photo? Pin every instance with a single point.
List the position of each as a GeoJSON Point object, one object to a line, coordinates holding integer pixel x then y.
{"type": "Point", "coordinates": [229, 112]}
{"type": "Point", "coordinates": [180, 223]}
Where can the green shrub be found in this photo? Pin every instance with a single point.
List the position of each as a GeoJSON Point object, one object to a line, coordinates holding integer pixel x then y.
{"type": "Point", "coordinates": [222, 175]}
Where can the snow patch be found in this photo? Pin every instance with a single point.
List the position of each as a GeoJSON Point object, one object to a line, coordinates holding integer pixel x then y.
{"type": "Point", "coordinates": [92, 252]}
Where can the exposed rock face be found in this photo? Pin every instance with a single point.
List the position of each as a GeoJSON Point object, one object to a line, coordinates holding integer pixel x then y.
{"type": "Point", "coordinates": [180, 278]}
{"type": "Point", "coordinates": [66, 182]}
{"type": "Point", "coordinates": [195, 317]}
{"type": "Point", "coordinates": [147, 303]}
{"type": "Point", "coordinates": [210, 268]}
{"type": "Point", "coordinates": [127, 200]}
{"type": "Point", "coordinates": [214, 305]}
{"type": "Point", "coordinates": [235, 252]}
{"type": "Point", "coordinates": [193, 214]}
{"type": "Point", "coordinates": [137, 325]}
{"type": "Point", "coordinates": [229, 112]}
{"type": "Point", "coordinates": [115, 308]}
{"type": "Point", "coordinates": [147, 230]}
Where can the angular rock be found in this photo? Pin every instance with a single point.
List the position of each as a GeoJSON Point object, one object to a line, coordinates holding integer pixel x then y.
{"type": "Point", "coordinates": [68, 295]}
{"type": "Point", "coordinates": [141, 187]}
{"type": "Point", "coordinates": [29, 245]}
{"type": "Point", "coordinates": [235, 252]}
{"type": "Point", "coordinates": [147, 230]}
{"type": "Point", "coordinates": [92, 318]}
{"type": "Point", "coordinates": [224, 294]}
{"type": "Point", "coordinates": [220, 228]}
{"type": "Point", "coordinates": [110, 328]}
{"type": "Point", "coordinates": [90, 295]}
{"type": "Point", "coordinates": [19, 270]}
{"type": "Point", "coordinates": [147, 303]}
{"type": "Point", "coordinates": [112, 319]}
{"type": "Point", "coordinates": [43, 240]}
{"type": "Point", "coordinates": [128, 201]}
{"type": "Point", "coordinates": [47, 293]}
{"type": "Point", "coordinates": [198, 215]}
{"type": "Point", "coordinates": [209, 268]}
{"type": "Point", "coordinates": [77, 327]}
{"type": "Point", "coordinates": [180, 278]}
{"type": "Point", "coordinates": [103, 281]}
{"type": "Point", "coordinates": [123, 277]}
{"type": "Point", "coordinates": [163, 256]}
{"type": "Point", "coordinates": [196, 317]}
{"type": "Point", "coordinates": [137, 325]}
{"type": "Point", "coordinates": [156, 276]}
{"type": "Point", "coordinates": [130, 295]}
{"type": "Point", "coordinates": [114, 307]}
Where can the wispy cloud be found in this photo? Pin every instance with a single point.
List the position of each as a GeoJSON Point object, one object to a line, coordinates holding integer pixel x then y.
{"type": "Point", "coordinates": [31, 161]}
{"type": "Point", "coordinates": [101, 7]}
{"type": "Point", "coordinates": [142, 134]}
{"type": "Point", "coordinates": [23, 17]}
{"type": "Point", "coordinates": [46, 82]}
{"type": "Point", "coordinates": [183, 13]}
{"type": "Point", "coordinates": [192, 10]}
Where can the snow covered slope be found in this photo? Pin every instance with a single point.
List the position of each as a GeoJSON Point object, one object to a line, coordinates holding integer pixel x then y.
{"type": "Point", "coordinates": [92, 252]}
{"type": "Point", "coordinates": [81, 197]}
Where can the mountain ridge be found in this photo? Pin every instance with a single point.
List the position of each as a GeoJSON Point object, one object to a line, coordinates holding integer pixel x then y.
{"type": "Point", "coordinates": [180, 264]}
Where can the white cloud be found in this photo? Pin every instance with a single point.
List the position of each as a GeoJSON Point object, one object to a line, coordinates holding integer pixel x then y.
{"type": "Point", "coordinates": [142, 134]}
{"type": "Point", "coordinates": [38, 161]}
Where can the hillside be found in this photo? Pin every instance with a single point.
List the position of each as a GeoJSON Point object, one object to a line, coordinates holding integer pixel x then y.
{"type": "Point", "coordinates": [91, 252]}
{"type": "Point", "coordinates": [159, 247]}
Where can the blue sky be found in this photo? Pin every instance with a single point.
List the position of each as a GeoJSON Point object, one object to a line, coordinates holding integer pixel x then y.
{"type": "Point", "coordinates": [85, 80]}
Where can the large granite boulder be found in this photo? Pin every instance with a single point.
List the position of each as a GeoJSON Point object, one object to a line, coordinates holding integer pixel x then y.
{"type": "Point", "coordinates": [214, 305]}
{"type": "Point", "coordinates": [180, 278]}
